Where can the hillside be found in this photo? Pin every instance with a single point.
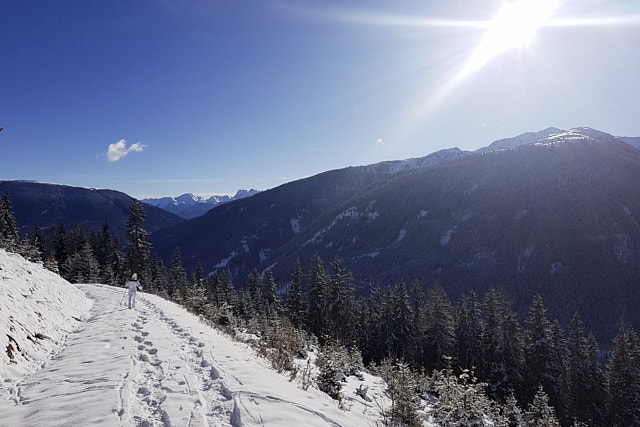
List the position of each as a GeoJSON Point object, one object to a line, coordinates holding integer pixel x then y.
{"type": "Point", "coordinates": [49, 205]}
{"type": "Point", "coordinates": [79, 358]}
{"type": "Point", "coordinates": [243, 233]}
{"type": "Point", "coordinates": [555, 214]}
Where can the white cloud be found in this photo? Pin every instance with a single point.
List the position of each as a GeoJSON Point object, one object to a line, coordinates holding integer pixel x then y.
{"type": "Point", "coordinates": [119, 149]}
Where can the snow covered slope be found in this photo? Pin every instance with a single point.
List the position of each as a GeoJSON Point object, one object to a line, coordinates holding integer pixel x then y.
{"type": "Point", "coordinates": [156, 365]}
{"type": "Point", "coordinates": [37, 310]}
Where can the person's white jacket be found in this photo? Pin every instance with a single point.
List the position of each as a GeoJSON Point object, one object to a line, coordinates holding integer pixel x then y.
{"type": "Point", "coordinates": [133, 286]}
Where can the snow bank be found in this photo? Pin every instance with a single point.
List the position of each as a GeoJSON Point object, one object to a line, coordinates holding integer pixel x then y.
{"type": "Point", "coordinates": [38, 309]}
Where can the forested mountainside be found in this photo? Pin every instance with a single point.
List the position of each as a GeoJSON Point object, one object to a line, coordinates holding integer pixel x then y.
{"type": "Point", "coordinates": [49, 205]}
{"type": "Point", "coordinates": [557, 217]}
{"type": "Point", "coordinates": [242, 233]}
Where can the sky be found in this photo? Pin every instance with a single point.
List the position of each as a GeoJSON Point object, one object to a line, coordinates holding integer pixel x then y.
{"type": "Point", "coordinates": [164, 97]}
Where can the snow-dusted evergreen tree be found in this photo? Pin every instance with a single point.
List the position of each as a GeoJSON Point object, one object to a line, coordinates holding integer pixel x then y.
{"type": "Point", "coordinates": [37, 241]}
{"type": "Point", "coordinates": [439, 328]}
{"type": "Point", "coordinates": [469, 331]}
{"type": "Point", "coordinates": [158, 277]}
{"type": "Point", "coordinates": [545, 355]}
{"type": "Point", "coordinates": [585, 378]}
{"type": "Point", "coordinates": [254, 289]}
{"type": "Point", "coordinates": [317, 298]}
{"type": "Point", "coordinates": [272, 302]}
{"type": "Point", "coordinates": [138, 249]}
{"type": "Point", "coordinates": [8, 225]}
{"type": "Point", "coordinates": [177, 277]}
{"type": "Point", "coordinates": [296, 303]}
{"type": "Point", "coordinates": [623, 380]}
{"type": "Point", "coordinates": [511, 413]}
{"type": "Point", "coordinates": [402, 389]}
{"type": "Point", "coordinates": [59, 246]}
{"type": "Point", "coordinates": [340, 305]}
{"type": "Point", "coordinates": [540, 413]}
{"type": "Point", "coordinates": [82, 267]}
{"type": "Point", "coordinates": [461, 400]}
{"type": "Point", "coordinates": [502, 362]}
{"type": "Point", "coordinates": [401, 322]}
{"type": "Point", "coordinates": [225, 290]}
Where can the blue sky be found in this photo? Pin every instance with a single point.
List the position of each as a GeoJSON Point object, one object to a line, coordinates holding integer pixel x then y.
{"type": "Point", "coordinates": [209, 96]}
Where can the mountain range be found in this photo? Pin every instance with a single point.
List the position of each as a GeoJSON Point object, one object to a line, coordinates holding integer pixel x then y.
{"type": "Point", "coordinates": [190, 205]}
{"type": "Point", "coordinates": [552, 212]}
{"type": "Point", "coordinates": [43, 205]}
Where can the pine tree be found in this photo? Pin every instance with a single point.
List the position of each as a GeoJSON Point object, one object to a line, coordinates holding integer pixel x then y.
{"type": "Point", "coordinates": [296, 304]}
{"type": "Point", "coordinates": [8, 225]}
{"type": "Point", "coordinates": [540, 413]}
{"type": "Point", "coordinates": [177, 277]}
{"type": "Point", "coordinates": [401, 322]}
{"type": "Point", "coordinates": [37, 241]}
{"type": "Point", "coordinates": [82, 267]}
{"type": "Point", "coordinates": [76, 240]}
{"type": "Point", "coordinates": [502, 362]}
{"type": "Point", "coordinates": [469, 331]}
{"type": "Point", "coordinates": [585, 378]}
{"type": "Point", "coordinates": [340, 305]}
{"type": "Point", "coordinates": [623, 380]}
{"type": "Point", "coordinates": [317, 299]}
{"type": "Point", "coordinates": [461, 400]}
{"type": "Point", "coordinates": [545, 354]}
{"type": "Point", "coordinates": [60, 245]}
{"type": "Point", "coordinates": [271, 298]}
{"type": "Point", "coordinates": [158, 277]}
{"type": "Point", "coordinates": [138, 250]}
{"type": "Point", "coordinates": [439, 328]}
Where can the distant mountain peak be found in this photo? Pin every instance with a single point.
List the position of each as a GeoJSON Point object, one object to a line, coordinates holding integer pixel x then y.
{"type": "Point", "coordinates": [189, 205]}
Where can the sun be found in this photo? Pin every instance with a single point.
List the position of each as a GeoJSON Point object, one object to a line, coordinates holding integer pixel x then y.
{"type": "Point", "coordinates": [515, 25]}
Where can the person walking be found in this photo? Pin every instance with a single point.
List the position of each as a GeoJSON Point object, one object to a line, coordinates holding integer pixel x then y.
{"type": "Point", "coordinates": [133, 286]}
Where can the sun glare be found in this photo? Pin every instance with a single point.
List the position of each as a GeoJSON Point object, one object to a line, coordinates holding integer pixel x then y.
{"type": "Point", "coordinates": [515, 25]}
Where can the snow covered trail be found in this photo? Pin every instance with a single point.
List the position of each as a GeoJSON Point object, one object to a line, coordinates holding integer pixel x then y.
{"type": "Point", "coordinates": [158, 365]}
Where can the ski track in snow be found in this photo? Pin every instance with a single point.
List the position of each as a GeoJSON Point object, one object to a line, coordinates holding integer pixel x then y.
{"type": "Point", "coordinates": [157, 365]}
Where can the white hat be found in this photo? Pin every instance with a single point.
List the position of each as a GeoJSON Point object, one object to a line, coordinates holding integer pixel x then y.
{"type": "Point", "coordinates": [135, 276]}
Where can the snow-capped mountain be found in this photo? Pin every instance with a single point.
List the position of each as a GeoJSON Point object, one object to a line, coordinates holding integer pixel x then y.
{"type": "Point", "coordinates": [550, 196]}
{"type": "Point", "coordinates": [189, 205]}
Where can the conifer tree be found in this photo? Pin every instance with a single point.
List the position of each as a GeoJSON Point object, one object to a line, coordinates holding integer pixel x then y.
{"type": "Point", "coordinates": [158, 277]}
{"type": "Point", "coordinates": [623, 380]}
{"type": "Point", "coordinates": [296, 304]}
{"type": "Point", "coordinates": [37, 241]}
{"type": "Point", "coordinates": [177, 277]}
{"type": "Point", "coordinates": [540, 413]}
{"type": "Point", "coordinates": [439, 328]}
{"type": "Point", "coordinates": [545, 355]}
{"type": "Point", "coordinates": [401, 322]}
{"type": "Point", "coordinates": [585, 379]}
{"type": "Point", "coordinates": [271, 299]}
{"type": "Point", "coordinates": [340, 305]}
{"type": "Point", "coordinates": [502, 343]}
{"type": "Point", "coordinates": [82, 267]}
{"type": "Point", "coordinates": [138, 249]}
{"type": "Point", "coordinates": [60, 245]}
{"type": "Point", "coordinates": [469, 331]}
{"type": "Point", "coordinates": [317, 298]}
{"type": "Point", "coordinates": [8, 225]}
